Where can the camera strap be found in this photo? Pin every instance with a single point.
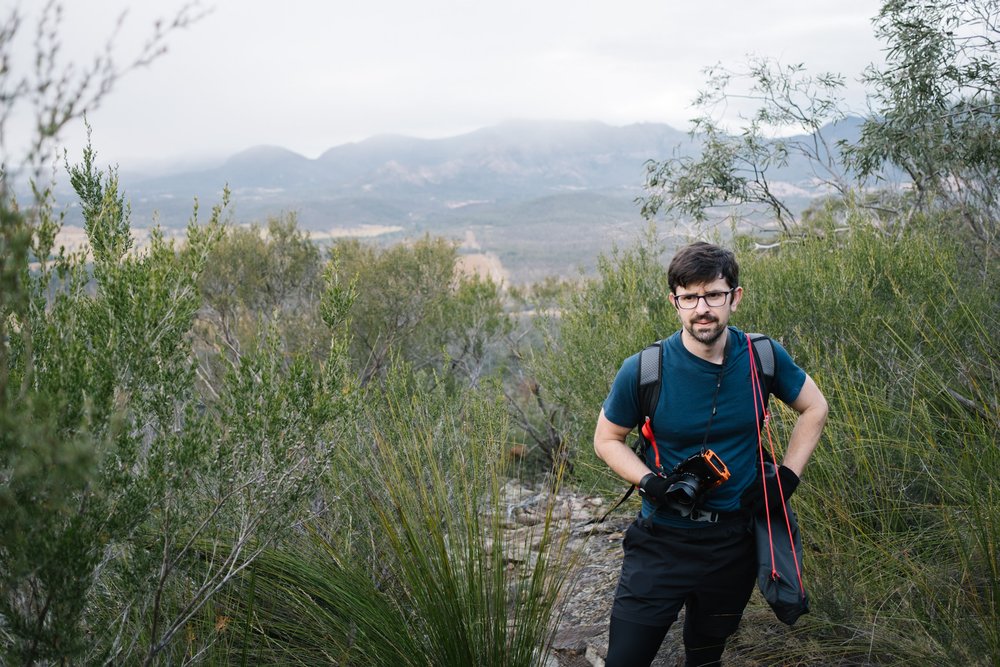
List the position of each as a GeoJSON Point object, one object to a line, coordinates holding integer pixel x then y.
{"type": "Point", "coordinates": [715, 396]}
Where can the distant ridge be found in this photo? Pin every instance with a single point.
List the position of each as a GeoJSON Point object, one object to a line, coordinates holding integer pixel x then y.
{"type": "Point", "coordinates": [541, 194]}
{"type": "Point", "coordinates": [514, 159]}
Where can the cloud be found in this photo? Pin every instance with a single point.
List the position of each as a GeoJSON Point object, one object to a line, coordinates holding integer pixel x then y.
{"type": "Point", "coordinates": [308, 76]}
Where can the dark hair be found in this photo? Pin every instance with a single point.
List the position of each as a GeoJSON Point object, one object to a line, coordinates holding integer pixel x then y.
{"type": "Point", "coordinates": [702, 262]}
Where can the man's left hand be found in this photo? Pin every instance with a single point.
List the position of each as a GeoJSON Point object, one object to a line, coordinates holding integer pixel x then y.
{"type": "Point", "coordinates": [753, 497]}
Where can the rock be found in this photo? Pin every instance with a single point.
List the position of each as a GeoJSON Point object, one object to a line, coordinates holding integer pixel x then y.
{"type": "Point", "coordinates": [573, 641]}
{"type": "Point", "coordinates": [595, 656]}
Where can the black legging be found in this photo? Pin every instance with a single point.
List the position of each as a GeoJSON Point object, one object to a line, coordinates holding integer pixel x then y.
{"type": "Point", "coordinates": [634, 645]}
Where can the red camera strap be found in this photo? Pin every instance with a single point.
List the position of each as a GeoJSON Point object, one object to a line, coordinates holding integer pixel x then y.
{"type": "Point", "coordinates": [647, 432]}
{"type": "Point", "coordinates": [760, 407]}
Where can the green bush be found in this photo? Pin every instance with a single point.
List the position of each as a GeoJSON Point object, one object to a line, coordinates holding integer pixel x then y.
{"type": "Point", "coordinates": [113, 467]}
{"type": "Point", "coordinates": [609, 318]}
{"type": "Point", "coordinates": [408, 565]}
{"type": "Point", "coordinates": [255, 277]}
{"type": "Point", "coordinates": [412, 303]}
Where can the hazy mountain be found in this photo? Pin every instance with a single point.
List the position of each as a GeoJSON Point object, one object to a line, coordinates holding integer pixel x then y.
{"type": "Point", "coordinates": [511, 161]}
{"type": "Point", "coordinates": [518, 187]}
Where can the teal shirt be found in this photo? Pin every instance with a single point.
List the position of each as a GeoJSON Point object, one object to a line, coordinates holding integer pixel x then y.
{"type": "Point", "coordinates": [682, 413]}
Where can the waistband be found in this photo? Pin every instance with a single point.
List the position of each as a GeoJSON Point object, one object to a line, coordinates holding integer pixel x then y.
{"type": "Point", "coordinates": [702, 515]}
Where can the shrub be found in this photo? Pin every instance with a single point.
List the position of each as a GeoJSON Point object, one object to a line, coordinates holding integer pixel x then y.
{"type": "Point", "coordinates": [409, 564]}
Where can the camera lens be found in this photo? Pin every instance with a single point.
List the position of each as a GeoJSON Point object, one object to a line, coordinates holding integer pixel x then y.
{"type": "Point", "coordinates": [685, 490]}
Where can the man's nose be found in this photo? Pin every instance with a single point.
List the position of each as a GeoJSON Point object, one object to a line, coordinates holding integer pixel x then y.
{"type": "Point", "coordinates": [702, 305]}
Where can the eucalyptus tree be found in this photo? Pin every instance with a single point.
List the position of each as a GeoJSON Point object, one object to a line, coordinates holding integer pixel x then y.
{"type": "Point", "coordinates": [936, 107]}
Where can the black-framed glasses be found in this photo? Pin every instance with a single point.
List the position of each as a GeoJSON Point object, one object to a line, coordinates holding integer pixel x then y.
{"type": "Point", "coordinates": [712, 299]}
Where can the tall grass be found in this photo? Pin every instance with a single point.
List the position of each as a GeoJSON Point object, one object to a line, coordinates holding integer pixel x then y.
{"type": "Point", "coordinates": [900, 508]}
{"type": "Point", "coordinates": [410, 563]}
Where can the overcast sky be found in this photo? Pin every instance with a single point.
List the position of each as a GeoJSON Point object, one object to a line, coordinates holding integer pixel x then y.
{"type": "Point", "coordinates": [309, 75]}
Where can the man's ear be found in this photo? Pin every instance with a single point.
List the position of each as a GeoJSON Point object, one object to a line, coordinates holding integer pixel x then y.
{"type": "Point", "coordinates": [737, 297]}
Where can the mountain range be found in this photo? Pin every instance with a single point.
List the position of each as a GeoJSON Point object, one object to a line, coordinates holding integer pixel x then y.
{"type": "Point", "coordinates": [542, 196]}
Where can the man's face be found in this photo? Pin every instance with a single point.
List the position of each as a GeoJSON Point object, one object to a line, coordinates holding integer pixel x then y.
{"type": "Point", "coordinates": [703, 322]}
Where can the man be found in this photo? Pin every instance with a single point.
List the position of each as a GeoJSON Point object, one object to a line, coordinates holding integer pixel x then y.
{"type": "Point", "coordinates": [701, 558]}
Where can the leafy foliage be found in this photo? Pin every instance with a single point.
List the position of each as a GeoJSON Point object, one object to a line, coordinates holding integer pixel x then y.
{"type": "Point", "coordinates": [81, 407]}
{"type": "Point", "coordinates": [411, 303]}
{"type": "Point", "coordinates": [934, 116]}
{"type": "Point", "coordinates": [732, 170]}
{"type": "Point", "coordinates": [113, 467]}
{"type": "Point", "coordinates": [261, 282]}
{"type": "Point", "coordinates": [937, 106]}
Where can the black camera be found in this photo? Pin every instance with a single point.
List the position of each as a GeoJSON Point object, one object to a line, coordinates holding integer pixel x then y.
{"type": "Point", "coordinates": [694, 476]}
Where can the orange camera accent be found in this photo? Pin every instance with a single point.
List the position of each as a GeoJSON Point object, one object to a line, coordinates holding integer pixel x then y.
{"type": "Point", "coordinates": [716, 464]}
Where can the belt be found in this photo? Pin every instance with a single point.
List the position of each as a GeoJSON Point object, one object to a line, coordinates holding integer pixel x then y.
{"type": "Point", "coordinates": [704, 515]}
{"type": "Point", "coordinates": [709, 516]}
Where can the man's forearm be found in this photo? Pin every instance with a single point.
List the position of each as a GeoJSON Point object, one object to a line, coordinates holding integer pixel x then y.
{"type": "Point", "coordinates": [622, 460]}
{"type": "Point", "coordinates": [805, 437]}
{"type": "Point", "coordinates": [609, 445]}
{"type": "Point", "coordinates": [812, 409]}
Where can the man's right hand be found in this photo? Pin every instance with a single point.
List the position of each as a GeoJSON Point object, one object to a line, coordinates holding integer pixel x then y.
{"type": "Point", "coordinates": [654, 487]}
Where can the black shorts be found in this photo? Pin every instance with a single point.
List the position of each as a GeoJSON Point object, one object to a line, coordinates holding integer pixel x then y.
{"type": "Point", "coordinates": [712, 569]}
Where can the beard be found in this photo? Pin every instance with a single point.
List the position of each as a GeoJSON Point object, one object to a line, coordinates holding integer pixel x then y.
{"type": "Point", "coordinates": [706, 336]}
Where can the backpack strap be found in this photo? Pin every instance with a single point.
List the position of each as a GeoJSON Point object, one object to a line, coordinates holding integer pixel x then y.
{"type": "Point", "coordinates": [649, 381]}
{"type": "Point", "coordinates": [763, 355]}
